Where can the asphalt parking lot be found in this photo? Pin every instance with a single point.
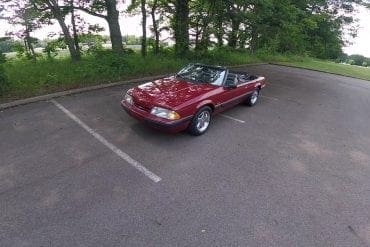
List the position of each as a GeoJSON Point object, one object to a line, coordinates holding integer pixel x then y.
{"type": "Point", "coordinates": [292, 171]}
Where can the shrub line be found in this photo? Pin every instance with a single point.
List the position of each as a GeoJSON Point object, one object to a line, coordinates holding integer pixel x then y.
{"type": "Point", "coordinates": [75, 91]}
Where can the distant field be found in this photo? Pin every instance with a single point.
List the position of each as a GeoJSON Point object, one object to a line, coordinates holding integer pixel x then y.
{"type": "Point", "coordinates": [331, 67]}
{"type": "Point", "coordinates": [38, 51]}
{"type": "Point", "coordinates": [65, 52]}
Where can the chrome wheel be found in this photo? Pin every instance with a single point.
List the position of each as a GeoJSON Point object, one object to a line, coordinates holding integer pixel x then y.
{"type": "Point", "coordinates": [254, 97]}
{"type": "Point", "coordinates": [203, 120]}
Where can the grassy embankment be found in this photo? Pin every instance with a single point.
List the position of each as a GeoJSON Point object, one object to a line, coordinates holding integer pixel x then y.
{"type": "Point", "coordinates": [331, 67]}
{"type": "Point", "coordinates": [27, 79]}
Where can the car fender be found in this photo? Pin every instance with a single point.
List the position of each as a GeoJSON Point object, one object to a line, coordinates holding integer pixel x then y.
{"type": "Point", "coordinates": [205, 103]}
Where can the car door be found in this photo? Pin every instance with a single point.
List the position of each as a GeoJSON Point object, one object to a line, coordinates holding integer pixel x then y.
{"type": "Point", "coordinates": [232, 95]}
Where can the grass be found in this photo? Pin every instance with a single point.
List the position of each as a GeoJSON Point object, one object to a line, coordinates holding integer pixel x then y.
{"type": "Point", "coordinates": [27, 79]}
{"type": "Point", "coordinates": [331, 67]}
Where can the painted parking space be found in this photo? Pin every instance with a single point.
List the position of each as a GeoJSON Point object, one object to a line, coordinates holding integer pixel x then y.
{"type": "Point", "coordinates": [232, 118]}
{"type": "Point", "coordinates": [294, 166]}
{"type": "Point", "coordinates": [136, 164]}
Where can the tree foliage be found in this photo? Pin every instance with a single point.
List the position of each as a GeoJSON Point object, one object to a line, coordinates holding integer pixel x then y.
{"type": "Point", "coordinates": [106, 9]}
{"type": "Point", "coordinates": [26, 18]}
{"type": "Point", "coordinates": [310, 27]}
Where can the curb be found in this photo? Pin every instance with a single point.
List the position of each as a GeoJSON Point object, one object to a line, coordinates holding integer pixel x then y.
{"type": "Point", "coordinates": [246, 65]}
{"type": "Point", "coordinates": [91, 88]}
{"type": "Point", "coordinates": [316, 70]}
{"type": "Point", "coordinates": [75, 91]}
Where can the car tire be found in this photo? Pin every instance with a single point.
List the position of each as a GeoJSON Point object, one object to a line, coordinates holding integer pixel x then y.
{"type": "Point", "coordinates": [253, 98]}
{"type": "Point", "coordinates": [201, 121]}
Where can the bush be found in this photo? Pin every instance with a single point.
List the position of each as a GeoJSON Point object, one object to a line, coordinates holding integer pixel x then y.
{"type": "Point", "coordinates": [351, 62]}
{"type": "Point", "coordinates": [364, 64]}
{"type": "Point", "coordinates": [19, 48]}
{"type": "Point", "coordinates": [102, 66]}
{"type": "Point", "coordinates": [4, 82]}
{"type": "Point", "coordinates": [51, 48]}
{"type": "Point", "coordinates": [2, 58]}
{"type": "Point", "coordinates": [108, 63]}
{"type": "Point", "coordinates": [357, 59]}
{"type": "Point", "coordinates": [128, 51]}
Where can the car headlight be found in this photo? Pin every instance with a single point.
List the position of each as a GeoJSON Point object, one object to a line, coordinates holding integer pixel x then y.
{"type": "Point", "coordinates": [128, 99]}
{"type": "Point", "coordinates": [164, 113]}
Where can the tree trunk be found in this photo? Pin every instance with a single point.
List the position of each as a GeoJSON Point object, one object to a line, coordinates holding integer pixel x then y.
{"type": "Point", "coordinates": [74, 28]}
{"type": "Point", "coordinates": [181, 27]}
{"type": "Point", "coordinates": [219, 7]}
{"type": "Point", "coordinates": [69, 41]}
{"type": "Point", "coordinates": [30, 46]}
{"type": "Point", "coordinates": [233, 36]}
{"type": "Point", "coordinates": [254, 40]}
{"type": "Point", "coordinates": [25, 46]}
{"type": "Point", "coordinates": [219, 33]}
{"type": "Point", "coordinates": [67, 37]}
{"type": "Point", "coordinates": [243, 36]}
{"type": "Point", "coordinates": [155, 27]}
{"type": "Point", "coordinates": [204, 42]}
{"type": "Point", "coordinates": [114, 27]}
{"type": "Point", "coordinates": [197, 36]}
{"type": "Point", "coordinates": [253, 43]}
{"type": "Point", "coordinates": [143, 39]}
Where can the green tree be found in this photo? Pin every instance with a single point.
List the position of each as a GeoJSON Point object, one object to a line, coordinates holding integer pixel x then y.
{"type": "Point", "coordinates": [358, 59]}
{"type": "Point", "coordinates": [109, 7]}
{"type": "Point", "coordinates": [94, 42]}
{"type": "Point", "coordinates": [51, 48]}
{"type": "Point", "coordinates": [132, 9]}
{"type": "Point", "coordinates": [23, 15]}
{"type": "Point", "coordinates": [154, 6]}
{"type": "Point", "coordinates": [180, 25]}
{"type": "Point", "coordinates": [53, 9]}
{"type": "Point", "coordinates": [156, 9]}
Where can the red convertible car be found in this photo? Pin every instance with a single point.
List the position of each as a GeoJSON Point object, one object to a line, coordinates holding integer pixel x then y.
{"type": "Point", "coordinates": [190, 98]}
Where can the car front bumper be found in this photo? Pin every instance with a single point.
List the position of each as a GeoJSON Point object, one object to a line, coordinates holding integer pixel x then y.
{"type": "Point", "coordinates": [172, 126]}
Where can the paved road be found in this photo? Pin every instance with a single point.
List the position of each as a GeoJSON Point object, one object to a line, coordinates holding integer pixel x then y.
{"type": "Point", "coordinates": [294, 171]}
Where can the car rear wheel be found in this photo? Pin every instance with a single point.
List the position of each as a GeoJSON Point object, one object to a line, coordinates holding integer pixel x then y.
{"type": "Point", "coordinates": [201, 121]}
{"type": "Point", "coordinates": [253, 98]}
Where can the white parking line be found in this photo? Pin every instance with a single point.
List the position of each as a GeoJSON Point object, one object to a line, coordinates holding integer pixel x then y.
{"type": "Point", "coordinates": [268, 97]}
{"type": "Point", "coordinates": [109, 145]}
{"type": "Point", "coordinates": [232, 118]}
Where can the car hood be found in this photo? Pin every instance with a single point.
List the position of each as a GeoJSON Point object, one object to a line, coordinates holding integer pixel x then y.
{"type": "Point", "coordinates": [168, 92]}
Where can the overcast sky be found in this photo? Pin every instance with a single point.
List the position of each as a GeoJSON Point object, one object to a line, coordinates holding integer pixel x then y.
{"type": "Point", "coordinates": [132, 26]}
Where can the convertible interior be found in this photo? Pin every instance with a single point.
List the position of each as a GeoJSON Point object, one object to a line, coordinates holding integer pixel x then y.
{"type": "Point", "coordinates": [199, 73]}
{"type": "Point", "coordinates": [239, 78]}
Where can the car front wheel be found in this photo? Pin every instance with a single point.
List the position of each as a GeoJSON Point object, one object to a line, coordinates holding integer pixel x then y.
{"type": "Point", "coordinates": [253, 98]}
{"type": "Point", "coordinates": [201, 121]}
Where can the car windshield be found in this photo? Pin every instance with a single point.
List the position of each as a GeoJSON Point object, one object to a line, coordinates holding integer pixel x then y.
{"type": "Point", "coordinates": [202, 74]}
